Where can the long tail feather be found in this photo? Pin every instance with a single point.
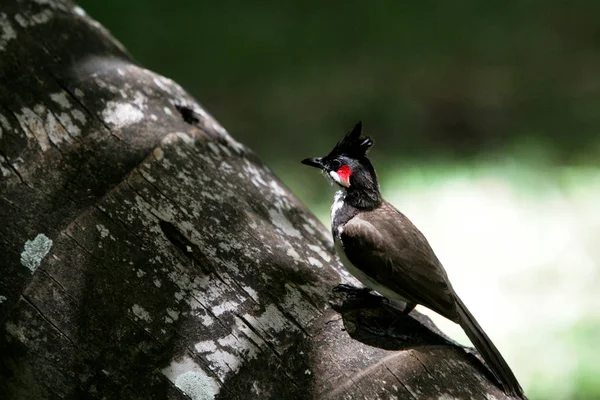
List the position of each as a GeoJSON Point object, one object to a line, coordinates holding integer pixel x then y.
{"type": "Point", "coordinates": [488, 351]}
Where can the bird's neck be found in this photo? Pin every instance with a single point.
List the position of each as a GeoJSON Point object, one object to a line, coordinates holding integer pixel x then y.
{"type": "Point", "coordinates": [346, 204]}
{"type": "Point", "coordinates": [364, 198]}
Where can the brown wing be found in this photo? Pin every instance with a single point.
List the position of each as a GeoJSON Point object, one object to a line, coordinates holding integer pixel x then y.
{"type": "Point", "coordinates": [385, 245]}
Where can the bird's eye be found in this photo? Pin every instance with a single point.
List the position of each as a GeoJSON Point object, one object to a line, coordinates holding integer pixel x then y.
{"type": "Point", "coordinates": [335, 165]}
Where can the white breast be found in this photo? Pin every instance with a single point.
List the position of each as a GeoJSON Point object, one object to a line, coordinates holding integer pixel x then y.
{"type": "Point", "coordinates": [338, 202]}
{"type": "Point", "coordinates": [336, 206]}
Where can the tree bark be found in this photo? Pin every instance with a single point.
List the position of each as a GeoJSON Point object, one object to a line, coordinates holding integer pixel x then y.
{"type": "Point", "coordinates": [147, 255]}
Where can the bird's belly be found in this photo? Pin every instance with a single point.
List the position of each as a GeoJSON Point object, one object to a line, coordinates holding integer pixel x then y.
{"type": "Point", "coordinates": [365, 279]}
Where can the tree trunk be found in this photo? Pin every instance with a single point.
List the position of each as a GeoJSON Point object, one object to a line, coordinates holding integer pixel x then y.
{"type": "Point", "coordinates": [148, 255]}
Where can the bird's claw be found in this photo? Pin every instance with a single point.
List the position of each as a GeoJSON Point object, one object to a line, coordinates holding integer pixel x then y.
{"type": "Point", "coordinates": [351, 291]}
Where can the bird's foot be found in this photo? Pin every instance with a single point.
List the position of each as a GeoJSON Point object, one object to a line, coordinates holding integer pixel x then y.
{"type": "Point", "coordinates": [348, 297]}
{"type": "Point", "coordinates": [352, 291]}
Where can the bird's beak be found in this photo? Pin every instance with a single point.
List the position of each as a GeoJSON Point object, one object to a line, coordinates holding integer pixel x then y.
{"type": "Point", "coordinates": [314, 162]}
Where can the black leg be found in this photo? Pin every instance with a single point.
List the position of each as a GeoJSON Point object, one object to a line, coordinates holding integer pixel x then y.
{"type": "Point", "coordinates": [409, 307]}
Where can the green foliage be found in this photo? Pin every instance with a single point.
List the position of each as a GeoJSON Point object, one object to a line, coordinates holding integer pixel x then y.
{"type": "Point", "coordinates": [575, 375]}
{"type": "Point", "coordinates": [429, 79]}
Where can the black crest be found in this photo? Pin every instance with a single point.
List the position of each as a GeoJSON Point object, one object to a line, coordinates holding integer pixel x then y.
{"type": "Point", "coordinates": [352, 145]}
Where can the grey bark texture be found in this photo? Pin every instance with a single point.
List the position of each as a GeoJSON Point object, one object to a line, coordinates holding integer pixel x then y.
{"type": "Point", "coordinates": [145, 254]}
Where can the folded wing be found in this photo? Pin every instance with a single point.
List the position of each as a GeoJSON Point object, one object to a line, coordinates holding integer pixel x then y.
{"type": "Point", "coordinates": [386, 246]}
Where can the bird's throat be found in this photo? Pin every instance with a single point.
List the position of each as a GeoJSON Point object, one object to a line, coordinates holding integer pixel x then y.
{"type": "Point", "coordinates": [341, 213]}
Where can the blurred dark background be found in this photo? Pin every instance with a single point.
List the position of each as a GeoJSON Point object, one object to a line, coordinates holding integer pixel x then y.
{"type": "Point", "coordinates": [489, 106]}
{"type": "Point", "coordinates": [428, 78]}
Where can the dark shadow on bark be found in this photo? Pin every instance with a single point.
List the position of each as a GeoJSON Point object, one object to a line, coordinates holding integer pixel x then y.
{"type": "Point", "coordinates": [375, 321]}
{"type": "Point", "coordinates": [371, 319]}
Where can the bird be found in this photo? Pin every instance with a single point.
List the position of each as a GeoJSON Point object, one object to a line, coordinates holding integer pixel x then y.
{"type": "Point", "coordinates": [387, 253]}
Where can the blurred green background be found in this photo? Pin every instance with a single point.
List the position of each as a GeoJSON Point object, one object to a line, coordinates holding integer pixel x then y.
{"type": "Point", "coordinates": [486, 122]}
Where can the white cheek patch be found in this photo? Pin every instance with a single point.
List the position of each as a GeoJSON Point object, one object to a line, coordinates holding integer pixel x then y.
{"type": "Point", "coordinates": [334, 175]}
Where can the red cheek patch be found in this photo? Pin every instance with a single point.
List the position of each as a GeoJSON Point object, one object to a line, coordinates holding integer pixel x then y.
{"type": "Point", "coordinates": [344, 173]}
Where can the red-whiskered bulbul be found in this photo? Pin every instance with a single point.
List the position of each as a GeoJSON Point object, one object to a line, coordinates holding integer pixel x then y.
{"type": "Point", "coordinates": [387, 253]}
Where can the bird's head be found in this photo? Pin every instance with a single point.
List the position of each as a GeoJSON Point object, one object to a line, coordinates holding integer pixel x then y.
{"type": "Point", "coordinates": [347, 164]}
